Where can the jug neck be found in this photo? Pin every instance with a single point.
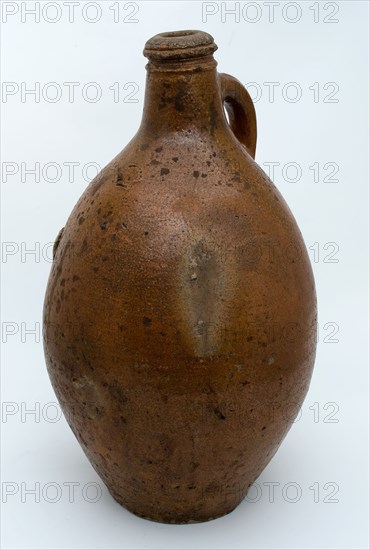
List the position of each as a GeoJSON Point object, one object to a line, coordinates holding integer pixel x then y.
{"type": "Point", "coordinates": [182, 89]}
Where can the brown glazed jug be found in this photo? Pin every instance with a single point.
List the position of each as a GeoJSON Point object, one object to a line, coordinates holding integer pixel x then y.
{"type": "Point", "coordinates": [180, 313]}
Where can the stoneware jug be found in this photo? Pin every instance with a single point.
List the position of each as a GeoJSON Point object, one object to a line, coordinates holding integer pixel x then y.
{"type": "Point", "coordinates": [180, 312]}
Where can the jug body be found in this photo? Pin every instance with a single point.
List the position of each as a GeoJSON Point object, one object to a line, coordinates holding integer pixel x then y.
{"type": "Point", "coordinates": [180, 313]}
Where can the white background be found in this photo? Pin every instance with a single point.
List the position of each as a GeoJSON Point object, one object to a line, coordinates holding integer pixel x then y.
{"type": "Point", "coordinates": [328, 442]}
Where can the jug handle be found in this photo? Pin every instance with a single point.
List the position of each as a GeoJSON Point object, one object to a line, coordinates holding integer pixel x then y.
{"type": "Point", "coordinates": [240, 109]}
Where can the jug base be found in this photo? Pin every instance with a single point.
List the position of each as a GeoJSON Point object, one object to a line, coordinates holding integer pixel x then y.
{"type": "Point", "coordinates": [171, 518]}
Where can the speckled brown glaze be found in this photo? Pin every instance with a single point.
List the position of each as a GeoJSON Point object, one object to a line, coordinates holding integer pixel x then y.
{"type": "Point", "coordinates": [180, 314]}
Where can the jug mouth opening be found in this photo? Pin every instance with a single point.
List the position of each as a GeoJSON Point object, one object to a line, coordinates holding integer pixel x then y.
{"type": "Point", "coordinates": [179, 45]}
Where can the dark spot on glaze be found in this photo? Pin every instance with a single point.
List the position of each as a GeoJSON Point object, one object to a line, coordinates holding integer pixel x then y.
{"type": "Point", "coordinates": [196, 174]}
{"type": "Point", "coordinates": [214, 116]}
{"type": "Point", "coordinates": [247, 185]}
{"type": "Point", "coordinates": [75, 278]}
{"type": "Point", "coordinates": [164, 171]}
{"type": "Point", "coordinates": [204, 175]}
{"type": "Point", "coordinates": [117, 393]}
{"type": "Point", "coordinates": [179, 98]}
{"type": "Point", "coordinates": [57, 242]}
{"type": "Point", "coordinates": [144, 146]}
{"type": "Point", "coordinates": [154, 162]}
{"type": "Point", "coordinates": [219, 414]}
{"type": "Point", "coordinates": [119, 178]}
{"type": "Point", "coordinates": [175, 159]}
{"type": "Point", "coordinates": [99, 182]}
{"type": "Point", "coordinates": [159, 149]}
{"type": "Point", "coordinates": [103, 226]}
{"type": "Point", "coordinates": [81, 220]}
{"type": "Point", "coordinates": [146, 320]}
